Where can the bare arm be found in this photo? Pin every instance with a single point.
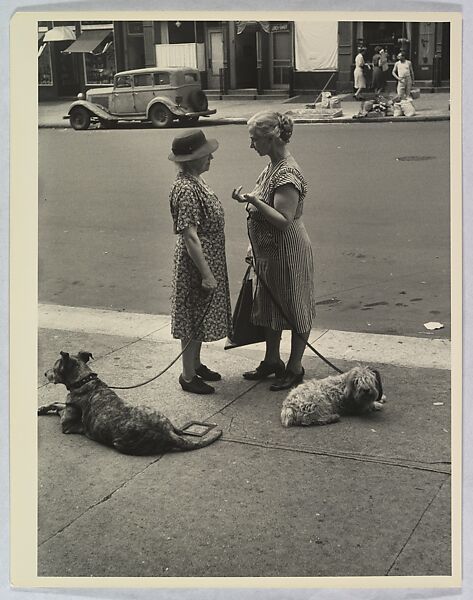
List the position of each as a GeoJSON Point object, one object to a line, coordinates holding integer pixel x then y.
{"type": "Point", "coordinates": [286, 199]}
{"type": "Point", "coordinates": [194, 248]}
{"type": "Point", "coordinates": [395, 75]}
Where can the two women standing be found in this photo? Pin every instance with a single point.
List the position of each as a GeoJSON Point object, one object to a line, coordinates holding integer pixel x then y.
{"type": "Point", "coordinates": [282, 255]}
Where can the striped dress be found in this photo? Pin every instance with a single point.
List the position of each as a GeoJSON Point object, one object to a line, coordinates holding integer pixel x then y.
{"type": "Point", "coordinates": [283, 258]}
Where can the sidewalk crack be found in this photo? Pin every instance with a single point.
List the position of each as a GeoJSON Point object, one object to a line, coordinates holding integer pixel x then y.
{"type": "Point", "coordinates": [409, 537]}
{"type": "Point", "coordinates": [100, 501]}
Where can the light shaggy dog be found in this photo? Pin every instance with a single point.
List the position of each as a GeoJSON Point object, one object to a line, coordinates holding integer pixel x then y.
{"type": "Point", "coordinates": [323, 401]}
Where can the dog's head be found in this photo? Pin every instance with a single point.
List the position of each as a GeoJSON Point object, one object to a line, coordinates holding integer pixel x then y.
{"type": "Point", "coordinates": [69, 369]}
{"type": "Point", "coordinates": [363, 387]}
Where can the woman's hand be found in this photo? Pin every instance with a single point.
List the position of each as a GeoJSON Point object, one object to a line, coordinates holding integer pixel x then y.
{"type": "Point", "coordinates": [209, 283]}
{"type": "Point", "coordinates": [242, 198]}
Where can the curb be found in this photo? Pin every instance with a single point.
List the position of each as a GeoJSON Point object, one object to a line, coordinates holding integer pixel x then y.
{"type": "Point", "coordinates": [243, 121]}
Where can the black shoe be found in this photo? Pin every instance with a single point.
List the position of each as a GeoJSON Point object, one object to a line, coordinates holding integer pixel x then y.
{"type": "Point", "coordinates": [289, 380]}
{"type": "Point", "coordinates": [196, 385]}
{"type": "Point", "coordinates": [265, 370]}
{"type": "Point", "coordinates": [207, 375]}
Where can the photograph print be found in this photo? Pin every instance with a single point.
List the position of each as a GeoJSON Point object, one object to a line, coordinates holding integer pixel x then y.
{"type": "Point", "coordinates": [247, 352]}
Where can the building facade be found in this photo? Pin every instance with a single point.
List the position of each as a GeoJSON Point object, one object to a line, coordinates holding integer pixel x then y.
{"type": "Point", "coordinates": [260, 57]}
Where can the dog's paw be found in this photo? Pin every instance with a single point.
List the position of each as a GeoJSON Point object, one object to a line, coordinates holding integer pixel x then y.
{"type": "Point", "coordinates": [378, 406]}
{"type": "Point", "coordinates": [383, 399]}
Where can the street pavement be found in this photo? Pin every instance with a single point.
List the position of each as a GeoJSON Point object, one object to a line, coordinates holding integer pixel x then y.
{"type": "Point", "coordinates": [429, 107]}
{"type": "Point", "coordinates": [363, 497]}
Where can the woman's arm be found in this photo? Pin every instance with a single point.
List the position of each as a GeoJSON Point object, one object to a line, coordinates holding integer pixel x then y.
{"type": "Point", "coordinates": [194, 248]}
{"type": "Point", "coordinates": [395, 75]}
{"type": "Point", "coordinates": [286, 199]}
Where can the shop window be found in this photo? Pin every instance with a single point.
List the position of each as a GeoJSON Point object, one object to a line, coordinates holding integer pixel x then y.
{"type": "Point", "coordinates": [181, 32]}
{"type": "Point", "coordinates": [100, 67]}
{"type": "Point", "coordinates": [135, 27]}
{"type": "Point", "coordinates": [145, 80]}
{"type": "Point", "coordinates": [392, 36]}
{"type": "Point", "coordinates": [161, 79]}
{"type": "Point", "coordinates": [45, 70]}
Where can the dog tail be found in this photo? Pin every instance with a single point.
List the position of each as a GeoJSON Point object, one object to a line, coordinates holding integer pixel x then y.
{"type": "Point", "coordinates": [287, 416]}
{"type": "Point", "coordinates": [182, 443]}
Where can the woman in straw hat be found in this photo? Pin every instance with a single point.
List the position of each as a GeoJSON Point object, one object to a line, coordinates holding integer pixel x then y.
{"type": "Point", "coordinates": [200, 267]}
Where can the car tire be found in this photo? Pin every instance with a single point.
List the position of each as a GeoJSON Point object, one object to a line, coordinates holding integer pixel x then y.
{"type": "Point", "coordinates": [79, 118]}
{"type": "Point", "coordinates": [198, 100]}
{"type": "Point", "coordinates": [160, 116]}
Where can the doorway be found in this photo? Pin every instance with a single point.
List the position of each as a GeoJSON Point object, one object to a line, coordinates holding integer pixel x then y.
{"type": "Point", "coordinates": [67, 70]}
{"type": "Point", "coordinates": [445, 61]}
{"type": "Point", "coordinates": [215, 57]}
{"type": "Point", "coordinates": [281, 59]}
{"type": "Point", "coordinates": [245, 58]}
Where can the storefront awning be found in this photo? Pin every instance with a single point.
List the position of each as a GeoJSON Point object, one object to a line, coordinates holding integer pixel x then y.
{"type": "Point", "coordinates": [88, 41]}
{"type": "Point", "coordinates": [242, 25]}
{"type": "Point", "coordinates": [59, 34]}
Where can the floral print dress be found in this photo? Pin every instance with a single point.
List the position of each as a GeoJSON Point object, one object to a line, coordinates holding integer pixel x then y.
{"type": "Point", "coordinates": [192, 202]}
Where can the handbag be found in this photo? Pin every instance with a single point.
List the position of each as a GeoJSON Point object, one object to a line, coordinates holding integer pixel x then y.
{"type": "Point", "coordinates": [244, 332]}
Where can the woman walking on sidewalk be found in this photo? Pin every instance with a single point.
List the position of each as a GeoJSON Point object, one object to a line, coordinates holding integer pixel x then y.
{"type": "Point", "coordinates": [282, 251]}
{"type": "Point", "coordinates": [359, 73]}
{"type": "Point", "coordinates": [200, 267]}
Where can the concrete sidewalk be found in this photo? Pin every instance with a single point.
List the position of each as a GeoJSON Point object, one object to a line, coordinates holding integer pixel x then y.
{"type": "Point", "coordinates": [367, 496]}
{"type": "Point", "coordinates": [429, 107]}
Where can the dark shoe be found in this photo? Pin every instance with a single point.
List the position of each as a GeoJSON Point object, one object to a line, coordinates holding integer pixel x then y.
{"type": "Point", "coordinates": [265, 370]}
{"type": "Point", "coordinates": [196, 385]}
{"type": "Point", "coordinates": [207, 375]}
{"type": "Point", "coordinates": [289, 380]}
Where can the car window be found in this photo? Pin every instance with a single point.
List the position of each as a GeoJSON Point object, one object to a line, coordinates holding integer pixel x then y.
{"type": "Point", "coordinates": [161, 79]}
{"type": "Point", "coordinates": [190, 77]}
{"type": "Point", "coordinates": [143, 80]}
{"type": "Point", "coordinates": [123, 81]}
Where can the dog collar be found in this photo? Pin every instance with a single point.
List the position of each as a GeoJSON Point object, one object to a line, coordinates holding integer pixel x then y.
{"type": "Point", "coordinates": [82, 382]}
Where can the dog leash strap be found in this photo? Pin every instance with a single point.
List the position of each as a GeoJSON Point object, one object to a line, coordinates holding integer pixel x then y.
{"type": "Point", "coordinates": [276, 303]}
{"type": "Point", "coordinates": [130, 387]}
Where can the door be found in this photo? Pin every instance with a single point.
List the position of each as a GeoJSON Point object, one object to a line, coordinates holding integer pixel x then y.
{"type": "Point", "coordinates": [215, 58]}
{"type": "Point", "coordinates": [281, 58]}
{"type": "Point", "coordinates": [143, 91]}
{"type": "Point", "coordinates": [122, 96]}
{"type": "Point", "coordinates": [67, 70]}
{"type": "Point", "coordinates": [245, 51]}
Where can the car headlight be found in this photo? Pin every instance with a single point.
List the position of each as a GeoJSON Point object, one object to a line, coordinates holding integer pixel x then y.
{"type": "Point", "coordinates": [81, 96]}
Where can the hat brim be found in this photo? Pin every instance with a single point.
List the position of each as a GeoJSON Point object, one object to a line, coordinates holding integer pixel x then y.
{"type": "Point", "coordinates": [209, 147]}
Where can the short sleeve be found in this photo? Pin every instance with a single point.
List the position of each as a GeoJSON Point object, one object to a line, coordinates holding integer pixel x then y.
{"type": "Point", "coordinates": [288, 175]}
{"type": "Point", "coordinates": [185, 207]}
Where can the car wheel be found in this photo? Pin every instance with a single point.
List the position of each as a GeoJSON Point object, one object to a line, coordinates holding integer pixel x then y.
{"type": "Point", "coordinates": [160, 116]}
{"type": "Point", "coordinates": [79, 118]}
{"type": "Point", "coordinates": [198, 100]}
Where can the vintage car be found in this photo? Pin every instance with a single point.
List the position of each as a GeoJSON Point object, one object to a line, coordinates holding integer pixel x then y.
{"type": "Point", "coordinates": [154, 94]}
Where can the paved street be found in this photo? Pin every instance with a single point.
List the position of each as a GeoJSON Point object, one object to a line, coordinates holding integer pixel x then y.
{"type": "Point", "coordinates": [379, 226]}
{"type": "Point", "coordinates": [364, 497]}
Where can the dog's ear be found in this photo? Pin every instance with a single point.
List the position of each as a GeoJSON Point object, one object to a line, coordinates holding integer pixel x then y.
{"type": "Point", "coordinates": [379, 385]}
{"type": "Point", "coordinates": [85, 356]}
{"type": "Point", "coordinates": [348, 392]}
{"type": "Point", "coordinates": [65, 355]}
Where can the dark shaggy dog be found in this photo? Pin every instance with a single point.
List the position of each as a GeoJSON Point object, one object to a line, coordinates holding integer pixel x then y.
{"type": "Point", "coordinates": [96, 411]}
{"type": "Point", "coordinates": [323, 401]}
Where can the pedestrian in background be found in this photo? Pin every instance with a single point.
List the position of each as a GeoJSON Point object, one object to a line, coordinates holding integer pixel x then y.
{"type": "Point", "coordinates": [404, 74]}
{"type": "Point", "coordinates": [281, 248]}
{"type": "Point", "coordinates": [200, 266]}
{"type": "Point", "coordinates": [359, 73]}
{"type": "Point", "coordinates": [383, 65]}
{"type": "Point", "coordinates": [377, 82]}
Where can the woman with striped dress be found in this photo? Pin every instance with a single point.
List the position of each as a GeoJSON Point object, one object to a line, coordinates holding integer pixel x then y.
{"type": "Point", "coordinates": [281, 250]}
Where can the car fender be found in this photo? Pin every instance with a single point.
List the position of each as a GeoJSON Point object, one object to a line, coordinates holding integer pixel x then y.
{"type": "Point", "coordinates": [176, 110]}
{"type": "Point", "coordinates": [96, 110]}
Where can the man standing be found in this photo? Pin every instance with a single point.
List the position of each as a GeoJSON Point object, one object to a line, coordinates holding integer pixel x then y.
{"type": "Point", "coordinates": [404, 74]}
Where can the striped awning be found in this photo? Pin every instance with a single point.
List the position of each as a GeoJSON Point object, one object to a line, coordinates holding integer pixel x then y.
{"type": "Point", "coordinates": [89, 41]}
